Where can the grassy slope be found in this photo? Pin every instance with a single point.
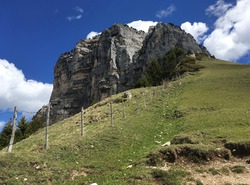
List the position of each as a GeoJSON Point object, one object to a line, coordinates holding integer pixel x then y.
{"type": "Point", "coordinates": [214, 102]}
{"type": "Point", "coordinates": [217, 102]}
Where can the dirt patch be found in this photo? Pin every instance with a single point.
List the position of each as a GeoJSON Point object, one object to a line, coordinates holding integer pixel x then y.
{"type": "Point", "coordinates": [189, 153]}
{"type": "Point", "coordinates": [218, 172]}
{"type": "Point", "coordinates": [76, 173]}
{"type": "Point", "coordinates": [228, 164]}
{"type": "Point", "coordinates": [240, 149]}
{"type": "Point", "coordinates": [97, 117]}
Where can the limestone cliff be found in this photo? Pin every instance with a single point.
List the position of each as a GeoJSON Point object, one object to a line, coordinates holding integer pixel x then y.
{"type": "Point", "coordinates": [110, 63]}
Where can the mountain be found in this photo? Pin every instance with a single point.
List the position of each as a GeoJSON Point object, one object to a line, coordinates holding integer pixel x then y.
{"type": "Point", "coordinates": [110, 63]}
{"type": "Point", "coordinates": [194, 130]}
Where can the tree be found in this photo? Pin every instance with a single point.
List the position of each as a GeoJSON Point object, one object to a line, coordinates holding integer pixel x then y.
{"type": "Point", "coordinates": [34, 125]}
{"type": "Point", "coordinates": [171, 62]}
{"type": "Point", "coordinates": [154, 73]}
{"type": "Point", "coordinates": [23, 127]}
{"type": "Point", "coordinates": [5, 134]}
{"type": "Point", "coordinates": [163, 68]}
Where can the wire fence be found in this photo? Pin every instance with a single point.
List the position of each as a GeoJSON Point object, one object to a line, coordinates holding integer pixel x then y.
{"type": "Point", "coordinates": [115, 106]}
{"type": "Point", "coordinates": [6, 113]}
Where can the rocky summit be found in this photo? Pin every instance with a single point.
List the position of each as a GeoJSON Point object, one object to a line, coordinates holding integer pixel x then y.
{"type": "Point", "coordinates": [110, 63]}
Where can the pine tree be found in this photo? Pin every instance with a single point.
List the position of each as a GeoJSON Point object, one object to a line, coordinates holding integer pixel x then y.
{"type": "Point", "coordinates": [35, 124]}
{"type": "Point", "coordinates": [6, 134]}
{"type": "Point", "coordinates": [23, 127]}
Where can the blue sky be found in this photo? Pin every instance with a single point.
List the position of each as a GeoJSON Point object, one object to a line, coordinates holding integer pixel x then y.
{"type": "Point", "coordinates": [34, 33]}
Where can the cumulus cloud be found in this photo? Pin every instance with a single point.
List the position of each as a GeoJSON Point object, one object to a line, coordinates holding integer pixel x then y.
{"type": "Point", "coordinates": [230, 38]}
{"type": "Point", "coordinates": [142, 25]}
{"type": "Point", "coordinates": [16, 90]}
{"type": "Point", "coordinates": [197, 30]}
{"type": "Point", "coordinates": [92, 34]}
{"type": "Point", "coordinates": [165, 13]}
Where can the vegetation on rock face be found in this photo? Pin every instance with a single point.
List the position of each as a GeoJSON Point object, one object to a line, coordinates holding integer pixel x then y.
{"type": "Point", "coordinates": [175, 63]}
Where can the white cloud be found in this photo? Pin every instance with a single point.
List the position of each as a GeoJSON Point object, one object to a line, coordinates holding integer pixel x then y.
{"type": "Point", "coordinates": [219, 8]}
{"type": "Point", "coordinates": [71, 18]}
{"type": "Point", "coordinates": [92, 34]}
{"type": "Point", "coordinates": [164, 13]}
{"type": "Point", "coordinates": [142, 25]}
{"type": "Point", "coordinates": [78, 9]}
{"type": "Point", "coordinates": [27, 95]}
{"type": "Point", "coordinates": [197, 30]}
{"type": "Point", "coordinates": [230, 39]}
{"type": "Point", "coordinates": [139, 25]}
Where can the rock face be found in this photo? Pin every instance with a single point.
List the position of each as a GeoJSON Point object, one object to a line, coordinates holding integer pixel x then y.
{"type": "Point", "coordinates": [110, 63]}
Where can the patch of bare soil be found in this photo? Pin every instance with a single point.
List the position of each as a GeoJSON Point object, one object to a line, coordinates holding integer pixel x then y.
{"type": "Point", "coordinates": [75, 173]}
{"type": "Point", "coordinates": [219, 172]}
{"type": "Point", "coordinates": [207, 165]}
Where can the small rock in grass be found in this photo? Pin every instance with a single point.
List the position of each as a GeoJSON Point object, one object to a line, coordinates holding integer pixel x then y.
{"type": "Point", "coordinates": [38, 167]}
{"type": "Point", "coordinates": [167, 144]}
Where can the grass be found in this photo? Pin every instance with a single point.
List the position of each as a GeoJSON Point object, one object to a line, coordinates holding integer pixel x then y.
{"type": "Point", "coordinates": [104, 153]}
{"type": "Point", "coordinates": [238, 169]}
{"type": "Point", "coordinates": [202, 110]}
{"type": "Point", "coordinates": [215, 171]}
{"type": "Point", "coordinates": [174, 176]}
{"type": "Point", "coordinates": [218, 98]}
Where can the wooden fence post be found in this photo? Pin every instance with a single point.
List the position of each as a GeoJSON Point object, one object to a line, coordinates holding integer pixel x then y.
{"type": "Point", "coordinates": [47, 129]}
{"type": "Point", "coordinates": [82, 122]}
{"type": "Point", "coordinates": [137, 105]}
{"type": "Point", "coordinates": [154, 92]}
{"type": "Point", "coordinates": [144, 101]}
{"type": "Point", "coordinates": [164, 108]}
{"type": "Point", "coordinates": [13, 131]}
{"type": "Point", "coordinates": [111, 114]}
{"type": "Point", "coordinates": [123, 104]}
